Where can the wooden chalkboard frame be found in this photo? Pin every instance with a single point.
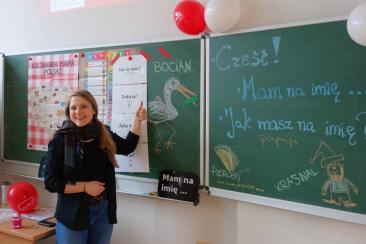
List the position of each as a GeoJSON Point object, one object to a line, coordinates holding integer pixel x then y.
{"type": "Point", "coordinates": [127, 183]}
{"type": "Point", "coordinates": [353, 217]}
{"type": "Point", "coordinates": [1, 104]}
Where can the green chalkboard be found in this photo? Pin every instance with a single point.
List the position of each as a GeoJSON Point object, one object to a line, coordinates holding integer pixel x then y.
{"type": "Point", "coordinates": [287, 117]}
{"type": "Point", "coordinates": [179, 60]}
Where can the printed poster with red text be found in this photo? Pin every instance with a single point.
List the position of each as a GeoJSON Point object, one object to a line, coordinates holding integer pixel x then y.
{"type": "Point", "coordinates": [51, 79]}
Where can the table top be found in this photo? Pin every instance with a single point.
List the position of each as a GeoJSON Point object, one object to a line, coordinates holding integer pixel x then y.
{"type": "Point", "coordinates": [30, 229]}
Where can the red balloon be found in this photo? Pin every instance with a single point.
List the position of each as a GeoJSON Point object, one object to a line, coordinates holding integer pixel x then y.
{"type": "Point", "coordinates": [189, 17]}
{"type": "Point", "coordinates": [22, 197]}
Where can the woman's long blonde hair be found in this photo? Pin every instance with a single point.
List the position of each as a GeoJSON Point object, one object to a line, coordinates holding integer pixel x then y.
{"type": "Point", "coordinates": [106, 141]}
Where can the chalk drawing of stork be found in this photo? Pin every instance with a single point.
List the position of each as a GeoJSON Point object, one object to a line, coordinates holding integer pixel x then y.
{"type": "Point", "coordinates": [163, 111]}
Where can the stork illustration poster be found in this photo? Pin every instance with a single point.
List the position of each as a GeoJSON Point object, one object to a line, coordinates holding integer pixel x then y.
{"type": "Point", "coordinates": [162, 111]}
{"type": "Point", "coordinates": [51, 79]}
{"type": "Point", "coordinates": [129, 89]}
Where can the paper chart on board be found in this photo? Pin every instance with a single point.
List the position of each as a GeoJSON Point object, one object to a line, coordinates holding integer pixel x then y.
{"type": "Point", "coordinates": [129, 89]}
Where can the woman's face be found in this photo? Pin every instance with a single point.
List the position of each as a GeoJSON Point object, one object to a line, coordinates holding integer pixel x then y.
{"type": "Point", "coordinates": [81, 111]}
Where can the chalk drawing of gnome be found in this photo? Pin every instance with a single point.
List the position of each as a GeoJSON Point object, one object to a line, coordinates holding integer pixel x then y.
{"type": "Point", "coordinates": [339, 187]}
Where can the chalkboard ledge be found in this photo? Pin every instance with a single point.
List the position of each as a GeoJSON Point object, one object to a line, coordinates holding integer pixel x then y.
{"type": "Point", "coordinates": [154, 195]}
{"type": "Point", "coordinates": [293, 206]}
{"type": "Point", "coordinates": [18, 168]}
{"type": "Point", "coordinates": [135, 185]}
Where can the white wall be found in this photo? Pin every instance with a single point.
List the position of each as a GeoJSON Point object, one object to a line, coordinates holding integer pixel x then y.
{"type": "Point", "coordinates": [264, 225]}
{"type": "Point", "coordinates": [147, 220]}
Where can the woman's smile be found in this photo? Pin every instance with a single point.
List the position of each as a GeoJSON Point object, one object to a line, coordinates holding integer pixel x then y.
{"type": "Point", "coordinates": [81, 111]}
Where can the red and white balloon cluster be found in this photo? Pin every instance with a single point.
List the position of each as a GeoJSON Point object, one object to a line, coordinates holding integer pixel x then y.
{"type": "Point", "coordinates": [192, 18]}
{"type": "Point", "coordinates": [356, 24]}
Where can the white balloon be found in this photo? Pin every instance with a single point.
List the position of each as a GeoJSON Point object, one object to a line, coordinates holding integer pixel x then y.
{"type": "Point", "coordinates": [356, 24]}
{"type": "Point", "coordinates": [221, 15]}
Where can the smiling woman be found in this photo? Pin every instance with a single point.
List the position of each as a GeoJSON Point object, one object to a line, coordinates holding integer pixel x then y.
{"type": "Point", "coordinates": [80, 111]}
{"type": "Point", "coordinates": [79, 166]}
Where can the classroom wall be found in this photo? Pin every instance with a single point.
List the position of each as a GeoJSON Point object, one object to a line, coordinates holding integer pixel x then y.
{"type": "Point", "coordinates": [143, 220]}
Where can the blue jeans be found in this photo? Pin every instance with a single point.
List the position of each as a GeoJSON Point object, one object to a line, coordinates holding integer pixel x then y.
{"type": "Point", "coordinates": [99, 232]}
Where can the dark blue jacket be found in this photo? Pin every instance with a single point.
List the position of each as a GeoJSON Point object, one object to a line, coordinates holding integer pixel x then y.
{"type": "Point", "coordinates": [73, 209]}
